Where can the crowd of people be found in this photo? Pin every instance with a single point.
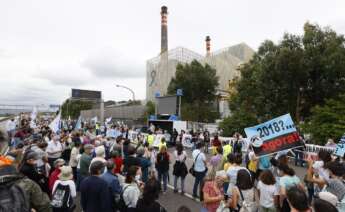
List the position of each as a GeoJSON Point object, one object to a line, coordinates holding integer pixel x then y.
{"type": "Point", "coordinates": [46, 171]}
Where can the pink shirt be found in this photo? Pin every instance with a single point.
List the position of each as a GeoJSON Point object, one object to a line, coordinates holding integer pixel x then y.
{"type": "Point", "coordinates": [211, 191]}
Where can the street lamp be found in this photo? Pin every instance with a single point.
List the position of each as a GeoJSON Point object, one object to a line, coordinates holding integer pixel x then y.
{"type": "Point", "coordinates": [133, 95]}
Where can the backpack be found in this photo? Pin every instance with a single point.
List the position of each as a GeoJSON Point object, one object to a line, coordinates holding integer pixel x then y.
{"type": "Point", "coordinates": [121, 204]}
{"type": "Point", "coordinates": [13, 198]}
{"type": "Point", "coordinates": [62, 197]}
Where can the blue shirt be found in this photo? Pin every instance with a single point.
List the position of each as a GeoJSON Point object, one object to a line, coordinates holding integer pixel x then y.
{"type": "Point", "coordinates": [112, 181]}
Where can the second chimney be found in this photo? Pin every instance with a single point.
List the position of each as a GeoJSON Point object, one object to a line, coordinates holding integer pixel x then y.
{"type": "Point", "coordinates": [164, 29]}
{"type": "Point", "coordinates": [208, 46]}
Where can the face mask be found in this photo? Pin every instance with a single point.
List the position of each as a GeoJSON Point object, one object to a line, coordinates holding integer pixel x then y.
{"type": "Point", "coordinates": [137, 177]}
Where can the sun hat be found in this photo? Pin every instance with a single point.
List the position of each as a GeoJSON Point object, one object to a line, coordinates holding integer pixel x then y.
{"type": "Point", "coordinates": [329, 197]}
{"type": "Point", "coordinates": [66, 173]}
{"type": "Point", "coordinates": [59, 162]}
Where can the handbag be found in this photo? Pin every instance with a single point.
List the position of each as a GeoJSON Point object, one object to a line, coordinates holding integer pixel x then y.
{"type": "Point", "coordinates": [248, 206]}
{"type": "Point", "coordinates": [191, 170]}
{"type": "Point", "coordinates": [222, 207]}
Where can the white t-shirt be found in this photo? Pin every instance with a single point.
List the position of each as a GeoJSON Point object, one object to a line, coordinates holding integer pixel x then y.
{"type": "Point", "coordinates": [267, 193]}
{"type": "Point", "coordinates": [199, 164]}
{"type": "Point", "coordinates": [319, 169]}
{"type": "Point", "coordinates": [70, 183]}
{"type": "Point", "coordinates": [53, 147]}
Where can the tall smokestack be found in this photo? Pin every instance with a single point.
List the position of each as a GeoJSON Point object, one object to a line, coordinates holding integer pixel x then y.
{"type": "Point", "coordinates": [164, 29]}
{"type": "Point", "coordinates": [208, 46]}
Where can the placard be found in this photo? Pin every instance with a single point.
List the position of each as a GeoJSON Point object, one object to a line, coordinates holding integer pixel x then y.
{"type": "Point", "coordinates": [274, 136]}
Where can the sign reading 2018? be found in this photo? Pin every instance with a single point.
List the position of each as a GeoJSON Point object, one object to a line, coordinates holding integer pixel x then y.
{"type": "Point", "coordinates": [275, 135]}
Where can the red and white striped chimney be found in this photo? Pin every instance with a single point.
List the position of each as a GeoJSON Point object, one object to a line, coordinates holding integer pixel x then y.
{"type": "Point", "coordinates": [208, 46]}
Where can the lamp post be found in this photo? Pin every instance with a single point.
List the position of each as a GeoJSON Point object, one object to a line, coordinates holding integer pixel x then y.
{"type": "Point", "coordinates": [122, 86]}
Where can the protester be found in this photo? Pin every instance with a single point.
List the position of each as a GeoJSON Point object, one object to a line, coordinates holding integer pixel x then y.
{"type": "Point", "coordinates": [54, 150]}
{"type": "Point", "coordinates": [199, 167]}
{"type": "Point", "coordinates": [145, 163]}
{"type": "Point", "coordinates": [54, 176]}
{"type": "Point", "coordinates": [212, 191]}
{"type": "Point", "coordinates": [180, 169]}
{"type": "Point", "coordinates": [84, 163]}
{"type": "Point", "coordinates": [216, 161]}
{"type": "Point", "coordinates": [150, 196]}
{"type": "Point", "coordinates": [130, 160]}
{"type": "Point", "coordinates": [64, 191]}
{"type": "Point", "coordinates": [12, 185]}
{"type": "Point", "coordinates": [287, 180]}
{"type": "Point", "coordinates": [131, 189]}
{"type": "Point", "coordinates": [95, 193]}
{"type": "Point", "coordinates": [320, 205]}
{"type": "Point", "coordinates": [112, 180]}
{"type": "Point", "coordinates": [243, 194]}
{"type": "Point", "coordinates": [297, 200]}
{"type": "Point", "coordinates": [117, 160]}
{"type": "Point", "coordinates": [232, 172]}
{"type": "Point", "coordinates": [268, 192]}
{"type": "Point", "coordinates": [28, 168]}
{"type": "Point", "coordinates": [162, 166]}
{"type": "Point", "coordinates": [74, 158]}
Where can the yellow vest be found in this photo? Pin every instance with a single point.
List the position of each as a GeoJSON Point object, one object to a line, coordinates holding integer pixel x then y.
{"type": "Point", "coordinates": [227, 149]}
{"type": "Point", "coordinates": [150, 139]}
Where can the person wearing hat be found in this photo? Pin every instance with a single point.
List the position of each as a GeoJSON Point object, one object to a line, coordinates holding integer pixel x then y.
{"type": "Point", "coordinates": [28, 168]}
{"type": "Point", "coordinates": [55, 174]}
{"type": "Point", "coordinates": [66, 179]}
{"type": "Point", "coordinates": [35, 198]}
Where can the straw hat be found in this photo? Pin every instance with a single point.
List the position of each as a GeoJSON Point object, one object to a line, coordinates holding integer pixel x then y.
{"type": "Point", "coordinates": [66, 173]}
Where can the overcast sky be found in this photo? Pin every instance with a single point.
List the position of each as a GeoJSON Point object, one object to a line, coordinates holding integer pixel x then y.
{"type": "Point", "coordinates": [47, 47]}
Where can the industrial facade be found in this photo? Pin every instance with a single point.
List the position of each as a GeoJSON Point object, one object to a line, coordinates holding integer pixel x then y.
{"type": "Point", "coordinates": [161, 69]}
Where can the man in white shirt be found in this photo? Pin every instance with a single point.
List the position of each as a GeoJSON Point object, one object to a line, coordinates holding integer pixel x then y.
{"type": "Point", "coordinates": [199, 167]}
{"type": "Point", "coordinates": [54, 150]}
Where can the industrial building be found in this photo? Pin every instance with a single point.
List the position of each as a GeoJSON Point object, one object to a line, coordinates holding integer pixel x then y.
{"type": "Point", "coordinates": [161, 69]}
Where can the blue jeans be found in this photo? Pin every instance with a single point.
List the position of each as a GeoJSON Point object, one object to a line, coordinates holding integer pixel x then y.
{"type": "Point", "coordinates": [199, 176]}
{"type": "Point", "coordinates": [163, 175]}
{"type": "Point", "coordinates": [175, 183]}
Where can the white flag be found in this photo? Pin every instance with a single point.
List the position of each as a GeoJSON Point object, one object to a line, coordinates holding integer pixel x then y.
{"type": "Point", "coordinates": [55, 124]}
{"type": "Point", "coordinates": [78, 124]}
{"type": "Point", "coordinates": [34, 113]}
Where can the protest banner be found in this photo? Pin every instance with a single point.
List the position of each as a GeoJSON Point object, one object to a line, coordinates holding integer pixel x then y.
{"type": "Point", "coordinates": [78, 124]}
{"type": "Point", "coordinates": [274, 136]}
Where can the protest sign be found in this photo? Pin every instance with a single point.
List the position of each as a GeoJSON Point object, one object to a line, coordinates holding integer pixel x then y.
{"type": "Point", "coordinates": [274, 136]}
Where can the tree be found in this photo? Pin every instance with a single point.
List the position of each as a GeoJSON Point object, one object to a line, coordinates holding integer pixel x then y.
{"type": "Point", "coordinates": [72, 108]}
{"type": "Point", "coordinates": [199, 83]}
{"type": "Point", "coordinates": [237, 122]}
{"type": "Point", "coordinates": [150, 109]}
{"type": "Point", "coordinates": [327, 121]}
{"type": "Point", "coordinates": [292, 76]}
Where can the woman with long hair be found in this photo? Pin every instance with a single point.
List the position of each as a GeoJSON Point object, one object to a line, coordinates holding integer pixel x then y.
{"type": "Point", "coordinates": [131, 189]}
{"type": "Point", "coordinates": [180, 168]}
{"type": "Point", "coordinates": [150, 195]}
{"type": "Point", "coordinates": [243, 194]}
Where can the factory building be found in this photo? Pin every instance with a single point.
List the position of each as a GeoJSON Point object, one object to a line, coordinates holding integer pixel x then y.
{"type": "Point", "coordinates": [161, 69]}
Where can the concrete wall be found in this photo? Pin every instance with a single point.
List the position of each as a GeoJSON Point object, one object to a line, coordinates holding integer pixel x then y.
{"type": "Point", "coordinates": [121, 112]}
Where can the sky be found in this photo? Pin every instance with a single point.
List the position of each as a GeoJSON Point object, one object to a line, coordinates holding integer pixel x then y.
{"type": "Point", "coordinates": [48, 47]}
